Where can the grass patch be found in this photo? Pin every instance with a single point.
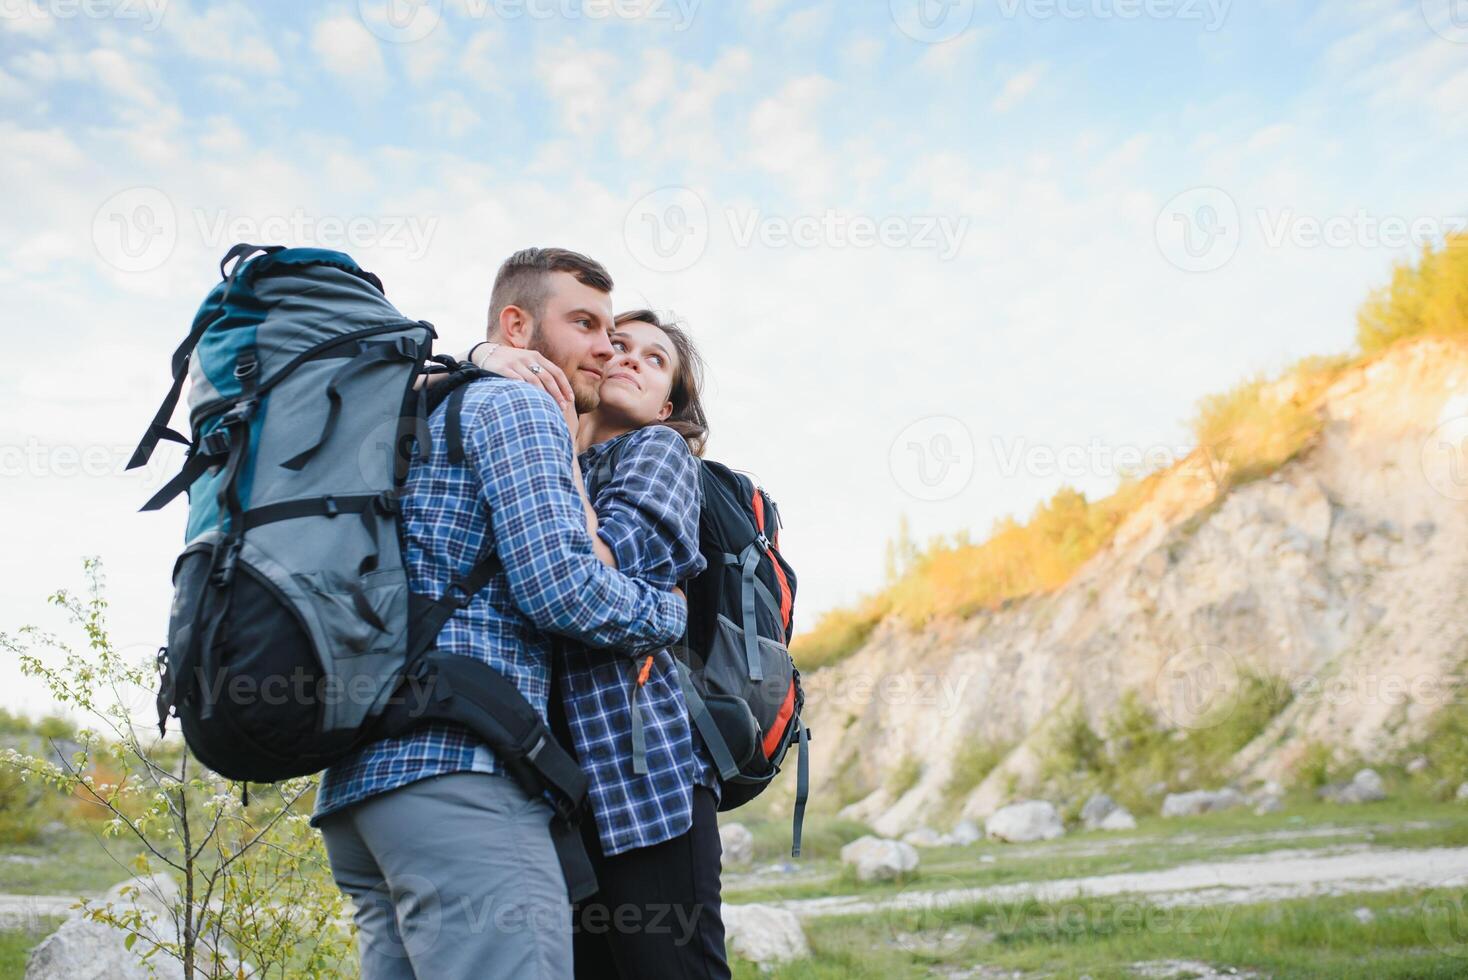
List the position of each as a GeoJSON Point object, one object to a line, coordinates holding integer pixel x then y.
{"type": "Point", "coordinates": [1409, 934]}
{"type": "Point", "coordinates": [821, 840]}
{"type": "Point", "coordinates": [972, 764]}
{"type": "Point", "coordinates": [904, 777]}
{"type": "Point", "coordinates": [72, 862]}
{"type": "Point", "coordinates": [1429, 297]}
{"type": "Point", "coordinates": [16, 945]}
{"type": "Point", "coordinates": [1404, 820]}
{"type": "Point", "coordinates": [1136, 751]}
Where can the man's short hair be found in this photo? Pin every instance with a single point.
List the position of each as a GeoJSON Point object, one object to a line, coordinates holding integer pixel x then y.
{"type": "Point", "coordinates": [523, 280]}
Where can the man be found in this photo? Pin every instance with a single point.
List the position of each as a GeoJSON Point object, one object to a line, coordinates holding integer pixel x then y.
{"type": "Point", "coordinates": [450, 863]}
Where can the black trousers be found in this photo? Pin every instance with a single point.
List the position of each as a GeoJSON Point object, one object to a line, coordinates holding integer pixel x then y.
{"type": "Point", "coordinates": [657, 913]}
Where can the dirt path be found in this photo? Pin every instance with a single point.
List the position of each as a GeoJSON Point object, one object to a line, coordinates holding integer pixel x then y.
{"type": "Point", "coordinates": [1275, 876]}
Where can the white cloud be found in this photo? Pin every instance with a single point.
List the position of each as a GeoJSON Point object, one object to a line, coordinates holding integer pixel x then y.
{"type": "Point", "coordinates": [452, 115]}
{"type": "Point", "coordinates": [425, 58]}
{"type": "Point", "coordinates": [809, 23]}
{"type": "Point", "coordinates": [785, 133]}
{"type": "Point", "coordinates": [949, 55]}
{"type": "Point", "coordinates": [123, 78]}
{"type": "Point", "coordinates": [346, 49]}
{"type": "Point", "coordinates": [1018, 86]}
{"type": "Point", "coordinates": [479, 61]}
{"type": "Point", "coordinates": [576, 78]}
{"type": "Point", "coordinates": [222, 136]}
{"type": "Point", "coordinates": [862, 52]}
{"type": "Point", "coordinates": [227, 33]}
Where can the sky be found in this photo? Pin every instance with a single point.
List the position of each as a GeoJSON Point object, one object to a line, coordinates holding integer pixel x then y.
{"type": "Point", "coordinates": [942, 256]}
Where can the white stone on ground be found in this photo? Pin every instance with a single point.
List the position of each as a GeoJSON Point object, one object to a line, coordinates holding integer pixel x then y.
{"type": "Point", "coordinates": [1021, 823]}
{"type": "Point", "coordinates": [763, 934]}
{"type": "Point", "coordinates": [1201, 801]}
{"type": "Point", "coordinates": [879, 859]}
{"type": "Point", "coordinates": [84, 948]}
{"type": "Point", "coordinates": [738, 844]}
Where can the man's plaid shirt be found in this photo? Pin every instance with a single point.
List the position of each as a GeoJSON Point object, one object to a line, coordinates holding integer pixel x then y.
{"type": "Point", "coordinates": [513, 494]}
{"type": "Point", "coordinates": [647, 513]}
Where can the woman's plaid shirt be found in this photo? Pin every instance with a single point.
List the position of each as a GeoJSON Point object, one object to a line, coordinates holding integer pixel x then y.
{"type": "Point", "coordinates": [647, 513]}
{"type": "Point", "coordinates": [513, 494]}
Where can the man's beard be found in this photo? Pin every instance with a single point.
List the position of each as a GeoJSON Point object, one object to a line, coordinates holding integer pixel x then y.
{"type": "Point", "coordinates": [588, 393]}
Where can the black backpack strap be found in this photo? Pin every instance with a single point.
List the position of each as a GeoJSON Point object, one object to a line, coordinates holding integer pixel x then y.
{"type": "Point", "coordinates": [158, 429]}
{"type": "Point", "coordinates": [713, 739]}
{"type": "Point", "coordinates": [802, 785]}
{"type": "Point", "coordinates": [473, 694]}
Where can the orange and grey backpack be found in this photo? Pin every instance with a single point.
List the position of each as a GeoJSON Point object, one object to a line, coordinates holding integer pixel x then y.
{"type": "Point", "coordinates": [742, 687]}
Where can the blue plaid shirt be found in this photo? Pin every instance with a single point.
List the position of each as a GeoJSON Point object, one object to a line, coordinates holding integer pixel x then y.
{"type": "Point", "coordinates": [513, 494]}
{"type": "Point", "coordinates": [647, 513]}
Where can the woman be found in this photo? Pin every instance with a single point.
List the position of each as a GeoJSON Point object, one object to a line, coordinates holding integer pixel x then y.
{"type": "Point", "coordinates": [653, 834]}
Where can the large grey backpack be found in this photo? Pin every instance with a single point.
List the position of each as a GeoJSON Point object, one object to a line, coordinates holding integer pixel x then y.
{"type": "Point", "coordinates": [294, 638]}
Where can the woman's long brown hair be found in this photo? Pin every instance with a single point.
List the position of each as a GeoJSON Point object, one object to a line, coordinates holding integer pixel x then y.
{"type": "Point", "coordinates": [688, 418]}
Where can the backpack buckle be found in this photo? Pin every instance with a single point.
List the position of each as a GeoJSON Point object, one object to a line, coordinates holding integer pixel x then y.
{"type": "Point", "coordinates": [243, 411]}
{"type": "Point", "coordinates": [246, 366]}
{"type": "Point", "coordinates": [224, 570]}
{"type": "Point", "coordinates": [407, 347]}
{"type": "Point", "coordinates": [216, 443]}
{"type": "Point", "coordinates": [329, 506]}
{"type": "Point", "coordinates": [763, 542]}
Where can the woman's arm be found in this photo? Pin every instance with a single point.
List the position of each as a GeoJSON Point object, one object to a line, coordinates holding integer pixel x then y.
{"type": "Point", "coordinates": [648, 509]}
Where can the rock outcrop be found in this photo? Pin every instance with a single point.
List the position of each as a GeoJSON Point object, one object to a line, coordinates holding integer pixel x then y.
{"type": "Point", "coordinates": [1342, 575]}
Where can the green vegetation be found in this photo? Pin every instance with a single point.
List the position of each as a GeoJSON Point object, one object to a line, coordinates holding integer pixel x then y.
{"type": "Point", "coordinates": [955, 577]}
{"type": "Point", "coordinates": [972, 763]}
{"type": "Point", "coordinates": [1253, 429]}
{"type": "Point", "coordinates": [904, 777]}
{"type": "Point", "coordinates": [257, 875]}
{"type": "Point", "coordinates": [16, 945]}
{"type": "Point", "coordinates": [1241, 434]}
{"type": "Point", "coordinates": [1429, 297]}
{"type": "Point", "coordinates": [1408, 934]}
{"type": "Point", "coordinates": [1408, 819]}
{"type": "Point", "coordinates": [1136, 750]}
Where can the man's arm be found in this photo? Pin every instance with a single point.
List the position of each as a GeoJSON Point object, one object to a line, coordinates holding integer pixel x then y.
{"type": "Point", "coordinates": [519, 446]}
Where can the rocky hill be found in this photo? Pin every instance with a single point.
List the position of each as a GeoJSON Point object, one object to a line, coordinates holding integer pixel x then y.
{"type": "Point", "coordinates": [1342, 577]}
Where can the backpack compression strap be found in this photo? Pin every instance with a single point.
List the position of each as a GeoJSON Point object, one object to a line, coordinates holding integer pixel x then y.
{"type": "Point", "coordinates": [158, 429]}
{"type": "Point", "coordinates": [802, 785]}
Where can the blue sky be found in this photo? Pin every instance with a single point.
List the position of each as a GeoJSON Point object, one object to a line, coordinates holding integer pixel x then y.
{"type": "Point", "coordinates": [920, 272]}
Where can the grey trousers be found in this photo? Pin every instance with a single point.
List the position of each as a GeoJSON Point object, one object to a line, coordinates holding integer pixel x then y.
{"type": "Point", "coordinates": [453, 877]}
